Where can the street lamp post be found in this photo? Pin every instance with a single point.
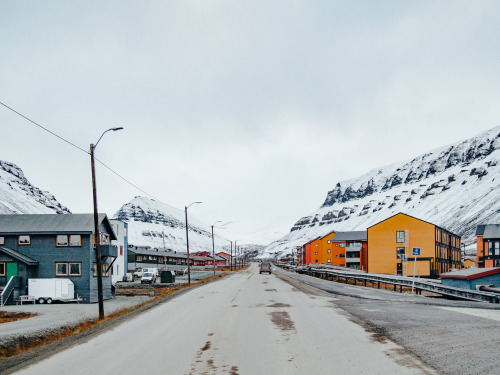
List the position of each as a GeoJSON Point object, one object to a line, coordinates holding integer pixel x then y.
{"type": "Point", "coordinates": [213, 243]}
{"type": "Point", "coordinates": [187, 242]}
{"type": "Point", "coordinates": [97, 240]}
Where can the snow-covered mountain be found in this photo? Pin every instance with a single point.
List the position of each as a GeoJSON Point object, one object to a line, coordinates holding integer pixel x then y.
{"type": "Point", "coordinates": [18, 196]}
{"type": "Point", "coordinates": [159, 225]}
{"type": "Point", "coordinates": [456, 187]}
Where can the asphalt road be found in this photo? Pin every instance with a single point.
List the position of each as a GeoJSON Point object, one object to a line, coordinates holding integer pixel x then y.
{"type": "Point", "coordinates": [455, 337]}
{"type": "Point", "coordinates": [246, 323]}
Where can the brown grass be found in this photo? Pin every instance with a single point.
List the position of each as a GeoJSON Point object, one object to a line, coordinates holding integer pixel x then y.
{"type": "Point", "coordinates": [24, 344]}
{"type": "Point", "coordinates": [7, 317]}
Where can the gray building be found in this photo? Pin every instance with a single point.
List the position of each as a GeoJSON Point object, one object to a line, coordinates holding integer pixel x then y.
{"type": "Point", "coordinates": [55, 246]}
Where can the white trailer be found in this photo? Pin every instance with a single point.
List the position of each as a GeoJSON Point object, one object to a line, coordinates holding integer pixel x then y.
{"type": "Point", "coordinates": [49, 290]}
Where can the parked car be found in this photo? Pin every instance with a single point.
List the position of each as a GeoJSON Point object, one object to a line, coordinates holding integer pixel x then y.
{"type": "Point", "coordinates": [138, 273]}
{"type": "Point", "coordinates": [148, 278]}
{"type": "Point", "coordinates": [265, 267]}
{"type": "Point", "coordinates": [152, 270]}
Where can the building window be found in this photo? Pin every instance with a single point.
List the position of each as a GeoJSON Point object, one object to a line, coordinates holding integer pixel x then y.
{"type": "Point", "coordinates": [342, 255]}
{"type": "Point", "coordinates": [75, 240]}
{"type": "Point", "coordinates": [316, 245]}
{"type": "Point", "coordinates": [329, 241]}
{"type": "Point", "coordinates": [75, 269]}
{"type": "Point", "coordinates": [24, 240]}
{"type": "Point", "coordinates": [61, 269]}
{"type": "Point", "coordinates": [400, 236]}
{"type": "Point", "coordinates": [316, 253]}
{"type": "Point", "coordinates": [336, 245]}
{"type": "Point", "coordinates": [68, 269]}
{"type": "Point", "coordinates": [2, 269]}
{"type": "Point", "coordinates": [400, 253]}
{"type": "Point", "coordinates": [329, 261]}
{"type": "Point", "coordinates": [2, 240]}
{"type": "Point", "coordinates": [62, 240]}
{"type": "Point", "coordinates": [105, 269]}
{"type": "Point", "coordinates": [342, 245]}
{"type": "Point", "coordinates": [329, 251]}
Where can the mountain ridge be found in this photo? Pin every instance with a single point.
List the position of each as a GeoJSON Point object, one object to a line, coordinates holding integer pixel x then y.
{"type": "Point", "coordinates": [19, 196]}
{"type": "Point", "coordinates": [452, 186]}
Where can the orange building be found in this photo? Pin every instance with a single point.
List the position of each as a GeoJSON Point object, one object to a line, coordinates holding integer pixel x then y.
{"type": "Point", "coordinates": [488, 245]}
{"type": "Point", "coordinates": [349, 249]}
{"type": "Point", "coordinates": [318, 250]}
{"type": "Point", "coordinates": [393, 242]}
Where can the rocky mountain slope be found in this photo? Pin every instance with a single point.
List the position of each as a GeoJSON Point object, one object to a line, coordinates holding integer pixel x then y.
{"type": "Point", "coordinates": [18, 196]}
{"type": "Point", "coordinates": [159, 225]}
{"type": "Point", "coordinates": [456, 187]}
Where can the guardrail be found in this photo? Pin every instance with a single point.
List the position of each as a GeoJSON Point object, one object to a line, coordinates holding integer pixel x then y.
{"type": "Point", "coordinates": [419, 284]}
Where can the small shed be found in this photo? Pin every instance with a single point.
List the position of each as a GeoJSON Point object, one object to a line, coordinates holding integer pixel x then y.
{"type": "Point", "coordinates": [472, 278]}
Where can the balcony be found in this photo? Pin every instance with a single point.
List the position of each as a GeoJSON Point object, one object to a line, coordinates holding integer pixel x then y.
{"type": "Point", "coordinates": [352, 260]}
{"type": "Point", "coordinates": [109, 251]}
{"type": "Point", "coordinates": [353, 247]}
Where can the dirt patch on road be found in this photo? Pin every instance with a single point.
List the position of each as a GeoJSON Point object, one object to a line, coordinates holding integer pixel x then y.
{"type": "Point", "coordinates": [270, 290]}
{"type": "Point", "coordinates": [281, 319]}
{"type": "Point", "coordinates": [279, 305]}
{"type": "Point", "coordinates": [234, 370]}
{"type": "Point", "coordinates": [207, 346]}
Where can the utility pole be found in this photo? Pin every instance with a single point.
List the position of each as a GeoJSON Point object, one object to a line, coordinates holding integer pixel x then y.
{"type": "Point", "coordinates": [213, 244]}
{"type": "Point", "coordinates": [97, 237]}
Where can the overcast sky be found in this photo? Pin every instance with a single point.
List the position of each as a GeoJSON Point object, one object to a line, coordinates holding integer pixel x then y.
{"type": "Point", "coordinates": [256, 108]}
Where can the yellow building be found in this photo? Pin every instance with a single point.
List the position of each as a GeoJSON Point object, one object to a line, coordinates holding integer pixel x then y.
{"type": "Point", "coordinates": [392, 243]}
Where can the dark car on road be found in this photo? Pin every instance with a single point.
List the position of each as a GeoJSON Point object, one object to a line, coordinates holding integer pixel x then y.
{"type": "Point", "coordinates": [265, 267]}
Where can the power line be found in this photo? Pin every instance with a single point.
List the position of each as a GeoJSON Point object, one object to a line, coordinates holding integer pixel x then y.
{"type": "Point", "coordinates": [40, 126]}
{"type": "Point", "coordinates": [81, 149]}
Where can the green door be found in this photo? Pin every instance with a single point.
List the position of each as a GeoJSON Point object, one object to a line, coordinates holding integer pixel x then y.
{"type": "Point", "coordinates": [11, 270]}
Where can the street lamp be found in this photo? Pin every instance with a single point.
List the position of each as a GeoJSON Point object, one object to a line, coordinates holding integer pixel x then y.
{"type": "Point", "coordinates": [97, 240]}
{"type": "Point", "coordinates": [187, 241]}
{"type": "Point", "coordinates": [213, 244]}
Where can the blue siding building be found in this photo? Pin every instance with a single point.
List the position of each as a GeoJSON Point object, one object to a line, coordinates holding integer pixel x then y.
{"type": "Point", "coordinates": [53, 246]}
{"type": "Point", "coordinates": [470, 278]}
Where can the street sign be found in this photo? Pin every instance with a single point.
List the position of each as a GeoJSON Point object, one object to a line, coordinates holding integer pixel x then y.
{"type": "Point", "coordinates": [416, 251]}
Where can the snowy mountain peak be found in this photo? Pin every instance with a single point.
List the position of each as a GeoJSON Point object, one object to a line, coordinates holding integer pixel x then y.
{"type": "Point", "coordinates": [454, 187]}
{"type": "Point", "coordinates": [19, 196]}
{"type": "Point", "coordinates": [159, 225]}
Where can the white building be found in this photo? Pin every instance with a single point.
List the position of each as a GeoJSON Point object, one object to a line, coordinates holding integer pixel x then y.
{"type": "Point", "coordinates": [119, 267]}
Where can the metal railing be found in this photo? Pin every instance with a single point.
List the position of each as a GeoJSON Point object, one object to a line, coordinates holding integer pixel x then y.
{"type": "Point", "coordinates": [7, 290]}
{"type": "Point", "coordinates": [418, 284]}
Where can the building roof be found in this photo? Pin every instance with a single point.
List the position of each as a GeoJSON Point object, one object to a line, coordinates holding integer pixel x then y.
{"type": "Point", "coordinates": [480, 229]}
{"type": "Point", "coordinates": [491, 231]}
{"type": "Point", "coordinates": [416, 218]}
{"type": "Point", "coordinates": [17, 255]}
{"type": "Point", "coordinates": [52, 223]}
{"type": "Point", "coordinates": [470, 273]}
{"type": "Point", "coordinates": [358, 235]}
